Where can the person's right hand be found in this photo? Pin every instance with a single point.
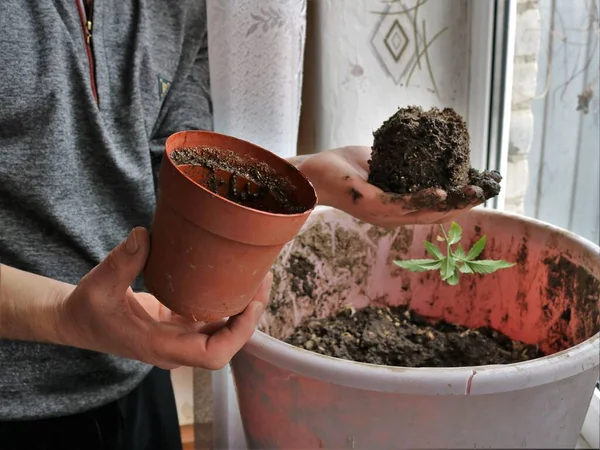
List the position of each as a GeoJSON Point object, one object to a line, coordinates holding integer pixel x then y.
{"type": "Point", "coordinates": [340, 177]}
{"type": "Point", "coordinates": [103, 314]}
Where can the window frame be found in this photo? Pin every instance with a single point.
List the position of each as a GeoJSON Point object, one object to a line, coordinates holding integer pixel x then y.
{"type": "Point", "coordinates": [491, 78]}
{"type": "Point", "coordinates": [490, 81]}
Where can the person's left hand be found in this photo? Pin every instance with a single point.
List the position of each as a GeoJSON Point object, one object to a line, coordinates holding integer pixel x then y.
{"type": "Point", "coordinates": [340, 179]}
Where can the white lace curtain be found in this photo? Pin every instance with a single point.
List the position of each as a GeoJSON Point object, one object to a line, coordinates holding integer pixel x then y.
{"type": "Point", "coordinates": [256, 50]}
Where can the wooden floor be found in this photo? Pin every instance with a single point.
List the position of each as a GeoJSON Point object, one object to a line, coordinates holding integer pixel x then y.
{"type": "Point", "coordinates": [204, 431]}
{"type": "Point", "coordinates": [187, 437]}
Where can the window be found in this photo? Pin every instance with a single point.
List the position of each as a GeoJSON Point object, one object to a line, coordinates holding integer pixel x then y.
{"type": "Point", "coordinates": [543, 73]}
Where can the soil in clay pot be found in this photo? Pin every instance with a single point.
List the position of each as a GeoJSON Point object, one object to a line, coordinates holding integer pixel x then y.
{"type": "Point", "coordinates": [400, 337]}
{"type": "Point", "coordinates": [415, 149]}
{"type": "Point", "coordinates": [240, 178]}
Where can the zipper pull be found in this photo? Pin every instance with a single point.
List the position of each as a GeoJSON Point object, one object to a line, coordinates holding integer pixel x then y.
{"type": "Point", "coordinates": [88, 36]}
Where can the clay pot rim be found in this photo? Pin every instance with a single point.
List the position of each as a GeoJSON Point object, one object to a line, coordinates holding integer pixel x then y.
{"type": "Point", "coordinates": [167, 156]}
{"type": "Point", "coordinates": [468, 380]}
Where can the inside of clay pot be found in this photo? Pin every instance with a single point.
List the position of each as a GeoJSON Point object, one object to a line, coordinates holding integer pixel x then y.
{"type": "Point", "coordinates": [549, 298]}
{"type": "Point", "coordinates": [242, 178]}
{"type": "Point", "coordinates": [233, 186]}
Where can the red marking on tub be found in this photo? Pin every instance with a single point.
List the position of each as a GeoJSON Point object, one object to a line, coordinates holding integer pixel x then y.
{"type": "Point", "coordinates": [470, 381]}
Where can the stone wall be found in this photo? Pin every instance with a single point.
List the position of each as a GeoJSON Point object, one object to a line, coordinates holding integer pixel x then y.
{"type": "Point", "coordinates": [527, 43]}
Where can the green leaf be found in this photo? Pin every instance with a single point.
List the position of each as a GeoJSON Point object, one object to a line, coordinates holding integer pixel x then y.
{"type": "Point", "coordinates": [433, 250]}
{"type": "Point", "coordinates": [419, 265]}
{"type": "Point", "coordinates": [448, 267]}
{"type": "Point", "coordinates": [460, 252]}
{"type": "Point", "coordinates": [476, 249]}
{"type": "Point", "coordinates": [464, 268]}
{"type": "Point", "coordinates": [486, 266]}
{"type": "Point", "coordinates": [454, 234]}
{"type": "Point", "coordinates": [452, 280]}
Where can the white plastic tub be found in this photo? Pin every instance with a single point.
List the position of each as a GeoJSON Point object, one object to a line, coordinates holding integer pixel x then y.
{"type": "Point", "coordinates": [291, 398]}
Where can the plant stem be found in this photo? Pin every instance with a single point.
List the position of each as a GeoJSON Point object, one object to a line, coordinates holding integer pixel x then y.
{"type": "Point", "coordinates": [448, 250]}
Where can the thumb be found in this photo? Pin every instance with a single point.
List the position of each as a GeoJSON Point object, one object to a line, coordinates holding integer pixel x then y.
{"type": "Point", "coordinates": [123, 264]}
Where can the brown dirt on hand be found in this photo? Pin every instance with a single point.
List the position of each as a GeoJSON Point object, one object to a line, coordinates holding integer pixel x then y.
{"type": "Point", "coordinates": [355, 194]}
{"type": "Point", "coordinates": [401, 338]}
{"type": "Point", "coordinates": [266, 190]}
{"type": "Point", "coordinates": [415, 150]}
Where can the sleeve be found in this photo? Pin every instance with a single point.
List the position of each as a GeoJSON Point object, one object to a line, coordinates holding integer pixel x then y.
{"type": "Point", "coordinates": [187, 105]}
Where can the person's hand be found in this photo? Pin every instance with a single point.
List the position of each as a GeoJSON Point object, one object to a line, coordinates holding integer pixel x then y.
{"type": "Point", "coordinates": [103, 314]}
{"type": "Point", "coordinates": [340, 179]}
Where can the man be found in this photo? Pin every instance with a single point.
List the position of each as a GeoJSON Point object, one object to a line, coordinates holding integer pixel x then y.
{"type": "Point", "coordinates": [90, 91]}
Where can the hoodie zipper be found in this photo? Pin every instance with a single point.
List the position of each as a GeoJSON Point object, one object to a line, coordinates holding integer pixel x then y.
{"type": "Point", "coordinates": [86, 23]}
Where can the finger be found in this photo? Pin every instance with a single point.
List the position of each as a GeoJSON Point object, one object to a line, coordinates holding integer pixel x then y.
{"type": "Point", "coordinates": [424, 218]}
{"type": "Point", "coordinates": [473, 195]}
{"type": "Point", "coordinates": [451, 215]}
{"type": "Point", "coordinates": [174, 345]}
{"type": "Point", "coordinates": [208, 329]}
{"type": "Point", "coordinates": [122, 265]}
{"type": "Point", "coordinates": [264, 291]}
{"type": "Point", "coordinates": [463, 199]}
{"type": "Point", "coordinates": [145, 306]}
{"type": "Point", "coordinates": [437, 217]}
{"type": "Point", "coordinates": [426, 199]}
{"type": "Point", "coordinates": [444, 217]}
{"type": "Point", "coordinates": [239, 329]}
{"type": "Point", "coordinates": [212, 327]}
{"type": "Point", "coordinates": [488, 181]}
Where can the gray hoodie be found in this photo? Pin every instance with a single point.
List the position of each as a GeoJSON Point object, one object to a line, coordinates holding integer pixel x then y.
{"type": "Point", "coordinates": [77, 174]}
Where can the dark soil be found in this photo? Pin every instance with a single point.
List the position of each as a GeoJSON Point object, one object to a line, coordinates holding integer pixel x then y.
{"type": "Point", "coordinates": [415, 150]}
{"type": "Point", "coordinates": [399, 337]}
{"type": "Point", "coordinates": [303, 270]}
{"type": "Point", "coordinates": [241, 179]}
{"type": "Point", "coordinates": [571, 291]}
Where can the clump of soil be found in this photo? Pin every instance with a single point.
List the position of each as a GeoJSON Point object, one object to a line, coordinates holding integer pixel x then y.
{"type": "Point", "coordinates": [402, 338]}
{"type": "Point", "coordinates": [415, 150]}
{"type": "Point", "coordinates": [241, 179]}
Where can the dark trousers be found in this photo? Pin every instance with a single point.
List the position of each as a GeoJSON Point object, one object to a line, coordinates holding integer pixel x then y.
{"type": "Point", "coordinates": [146, 419]}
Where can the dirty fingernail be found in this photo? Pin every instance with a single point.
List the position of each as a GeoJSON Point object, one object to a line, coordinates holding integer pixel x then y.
{"type": "Point", "coordinates": [131, 244]}
{"type": "Point", "coordinates": [475, 192]}
{"type": "Point", "coordinates": [495, 175]}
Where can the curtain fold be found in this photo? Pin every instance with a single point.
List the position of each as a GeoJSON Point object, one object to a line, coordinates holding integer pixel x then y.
{"type": "Point", "coordinates": [256, 50]}
{"type": "Point", "coordinates": [256, 57]}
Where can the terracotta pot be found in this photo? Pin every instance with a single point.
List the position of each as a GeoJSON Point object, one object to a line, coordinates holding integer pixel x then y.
{"type": "Point", "coordinates": [208, 254]}
{"type": "Point", "coordinates": [291, 398]}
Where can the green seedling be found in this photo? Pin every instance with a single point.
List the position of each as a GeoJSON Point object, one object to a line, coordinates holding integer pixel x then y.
{"type": "Point", "coordinates": [456, 261]}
